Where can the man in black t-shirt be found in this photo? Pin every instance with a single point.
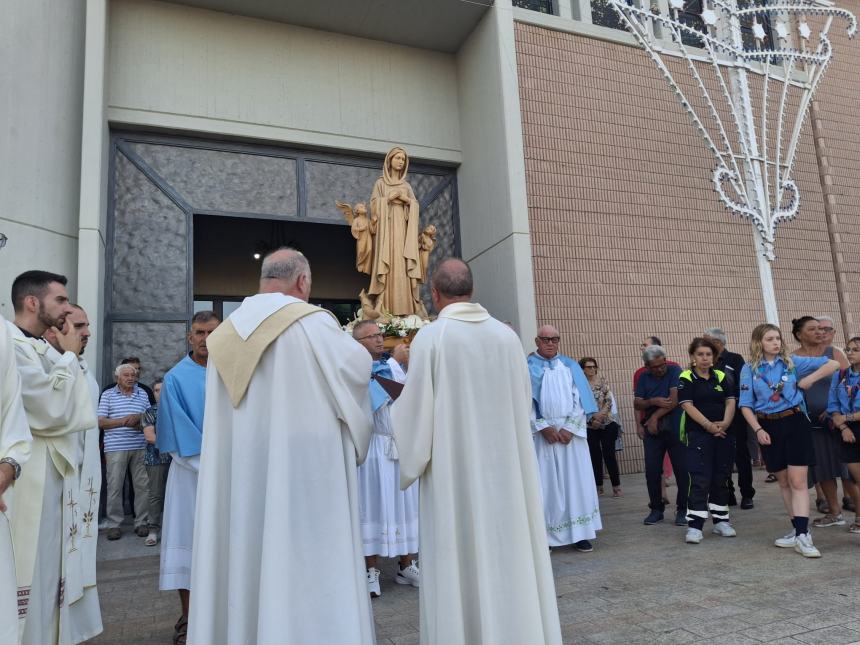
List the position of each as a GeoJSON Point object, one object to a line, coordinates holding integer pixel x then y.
{"type": "Point", "coordinates": [732, 364]}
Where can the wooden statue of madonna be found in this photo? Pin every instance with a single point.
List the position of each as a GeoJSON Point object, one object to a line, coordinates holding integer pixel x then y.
{"type": "Point", "coordinates": [390, 247]}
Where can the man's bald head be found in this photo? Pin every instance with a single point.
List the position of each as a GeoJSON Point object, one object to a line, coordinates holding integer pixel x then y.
{"type": "Point", "coordinates": [453, 278]}
{"type": "Point", "coordinates": [451, 282]}
{"type": "Point", "coordinates": [286, 271]}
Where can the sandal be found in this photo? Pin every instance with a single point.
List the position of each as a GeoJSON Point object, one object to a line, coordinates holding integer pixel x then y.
{"type": "Point", "coordinates": [616, 491]}
{"type": "Point", "coordinates": [822, 506]}
{"type": "Point", "coordinates": [770, 478]}
{"type": "Point", "coordinates": [854, 528]}
{"type": "Point", "coordinates": [180, 631]}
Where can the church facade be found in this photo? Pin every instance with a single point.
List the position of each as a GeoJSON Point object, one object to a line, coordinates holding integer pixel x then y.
{"type": "Point", "coordinates": [152, 149]}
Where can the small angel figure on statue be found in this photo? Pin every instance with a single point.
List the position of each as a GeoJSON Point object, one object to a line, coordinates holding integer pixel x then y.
{"type": "Point", "coordinates": [426, 243]}
{"type": "Point", "coordinates": [362, 229]}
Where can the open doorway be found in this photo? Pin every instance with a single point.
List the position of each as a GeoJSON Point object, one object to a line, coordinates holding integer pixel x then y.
{"type": "Point", "coordinates": [228, 252]}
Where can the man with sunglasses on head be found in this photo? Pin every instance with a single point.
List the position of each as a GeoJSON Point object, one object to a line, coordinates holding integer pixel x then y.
{"type": "Point", "coordinates": [562, 402]}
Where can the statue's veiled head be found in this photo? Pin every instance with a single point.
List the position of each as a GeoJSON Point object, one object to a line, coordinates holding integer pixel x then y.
{"type": "Point", "coordinates": [396, 165]}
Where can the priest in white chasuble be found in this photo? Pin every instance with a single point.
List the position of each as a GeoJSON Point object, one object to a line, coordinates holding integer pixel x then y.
{"type": "Point", "coordinates": [277, 544]}
{"type": "Point", "coordinates": [85, 618]}
{"type": "Point", "coordinates": [562, 401]}
{"type": "Point", "coordinates": [47, 518]}
{"type": "Point", "coordinates": [461, 424]}
{"type": "Point", "coordinates": [15, 440]}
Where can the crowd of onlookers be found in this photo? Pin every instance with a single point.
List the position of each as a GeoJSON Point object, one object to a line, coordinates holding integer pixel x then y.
{"type": "Point", "coordinates": [689, 417]}
{"type": "Point", "coordinates": [801, 410]}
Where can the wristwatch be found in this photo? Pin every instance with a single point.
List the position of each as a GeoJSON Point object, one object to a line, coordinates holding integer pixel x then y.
{"type": "Point", "coordinates": [16, 467]}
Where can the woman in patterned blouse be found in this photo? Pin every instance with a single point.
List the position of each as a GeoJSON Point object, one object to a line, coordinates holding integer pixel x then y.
{"type": "Point", "coordinates": [602, 429]}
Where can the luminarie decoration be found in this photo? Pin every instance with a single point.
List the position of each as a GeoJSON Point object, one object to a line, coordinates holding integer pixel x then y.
{"type": "Point", "coordinates": [753, 134]}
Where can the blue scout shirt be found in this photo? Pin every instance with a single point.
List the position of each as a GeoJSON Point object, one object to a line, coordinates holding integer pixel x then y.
{"type": "Point", "coordinates": [758, 387]}
{"type": "Point", "coordinates": [844, 393]}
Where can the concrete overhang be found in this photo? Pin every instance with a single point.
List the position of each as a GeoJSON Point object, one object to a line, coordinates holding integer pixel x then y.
{"type": "Point", "coordinates": [439, 25]}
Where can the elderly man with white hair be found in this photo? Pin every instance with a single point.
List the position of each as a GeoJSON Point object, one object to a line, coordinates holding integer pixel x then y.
{"type": "Point", "coordinates": [120, 409]}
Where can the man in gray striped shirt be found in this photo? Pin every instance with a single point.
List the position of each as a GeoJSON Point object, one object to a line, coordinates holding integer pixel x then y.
{"type": "Point", "coordinates": [120, 410]}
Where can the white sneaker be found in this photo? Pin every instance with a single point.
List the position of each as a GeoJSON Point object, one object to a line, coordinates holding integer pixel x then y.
{"type": "Point", "coordinates": [786, 542]}
{"type": "Point", "coordinates": [373, 582]}
{"type": "Point", "coordinates": [724, 529]}
{"type": "Point", "coordinates": [152, 538]}
{"type": "Point", "coordinates": [803, 545]}
{"type": "Point", "coordinates": [694, 536]}
{"type": "Point", "coordinates": [408, 576]}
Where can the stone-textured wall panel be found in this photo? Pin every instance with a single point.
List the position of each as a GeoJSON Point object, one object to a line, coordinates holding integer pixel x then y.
{"type": "Point", "coordinates": [328, 182]}
{"type": "Point", "coordinates": [149, 246]}
{"type": "Point", "coordinates": [331, 182]}
{"type": "Point", "coordinates": [225, 180]}
{"type": "Point", "coordinates": [439, 214]}
{"type": "Point", "coordinates": [159, 345]}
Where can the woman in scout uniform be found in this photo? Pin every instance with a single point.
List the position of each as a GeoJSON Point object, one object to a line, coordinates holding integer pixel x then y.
{"type": "Point", "coordinates": [826, 442]}
{"type": "Point", "coordinates": [844, 406]}
{"type": "Point", "coordinates": [706, 396]}
{"type": "Point", "coordinates": [772, 403]}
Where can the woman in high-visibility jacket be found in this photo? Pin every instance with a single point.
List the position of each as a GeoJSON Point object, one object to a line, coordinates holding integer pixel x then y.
{"type": "Point", "coordinates": [706, 396]}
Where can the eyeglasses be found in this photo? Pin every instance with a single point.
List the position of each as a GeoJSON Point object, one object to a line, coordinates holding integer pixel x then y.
{"type": "Point", "coordinates": [826, 329]}
{"type": "Point", "coordinates": [549, 339]}
{"type": "Point", "coordinates": [589, 367]}
{"type": "Point", "coordinates": [379, 335]}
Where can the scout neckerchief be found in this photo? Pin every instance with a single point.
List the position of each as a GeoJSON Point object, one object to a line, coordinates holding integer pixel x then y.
{"type": "Point", "coordinates": [850, 390]}
{"type": "Point", "coordinates": [777, 387]}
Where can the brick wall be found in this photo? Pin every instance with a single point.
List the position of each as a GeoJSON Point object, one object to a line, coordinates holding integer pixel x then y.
{"type": "Point", "coordinates": [628, 235]}
{"type": "Point", "coordinates": [837, 121]}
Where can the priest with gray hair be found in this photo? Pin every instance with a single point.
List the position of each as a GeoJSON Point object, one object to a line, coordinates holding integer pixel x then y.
{"type": "Point", "coordinates": [277, 544]}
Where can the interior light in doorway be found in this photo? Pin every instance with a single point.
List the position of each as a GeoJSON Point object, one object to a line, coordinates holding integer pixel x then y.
{"type": "Point", "coordinates": [256, 256]}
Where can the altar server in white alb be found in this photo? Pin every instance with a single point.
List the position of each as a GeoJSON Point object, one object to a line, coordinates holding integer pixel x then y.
{"type": "Point", "coordinates": [47, 519]}
{"type": "Point", "coordinates": [15, 440]}
{"type": "Point", "coordinates": [389, 516]}
{"type": "Point", "coordinates": [562, 401]}
{"type": "Point", "coordinates": [462, 425]}
{"type": "Point", "coordinates": [180, 432]}
{"type": "Point", "coordinates": [85, 618]}
{"type": "Point", "coordinates": [277, 541]}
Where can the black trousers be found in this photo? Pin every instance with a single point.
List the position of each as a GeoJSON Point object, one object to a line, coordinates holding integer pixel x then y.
{"type": "Point", "coordinates": [709, 464]}
{"type": "Point", "coordinates": [656, 447]}
{"type": "Point", "coordinates": [601, 448]}
{"type": "Point", "coordinates": [743, 461]}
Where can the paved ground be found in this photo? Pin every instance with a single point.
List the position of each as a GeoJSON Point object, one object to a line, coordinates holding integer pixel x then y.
{"type": "Point", "coordinates": [640, 585]}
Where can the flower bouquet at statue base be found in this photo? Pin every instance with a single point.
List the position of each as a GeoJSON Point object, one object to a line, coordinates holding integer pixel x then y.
{"type": "Point", "coordinates": [395, 329]}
